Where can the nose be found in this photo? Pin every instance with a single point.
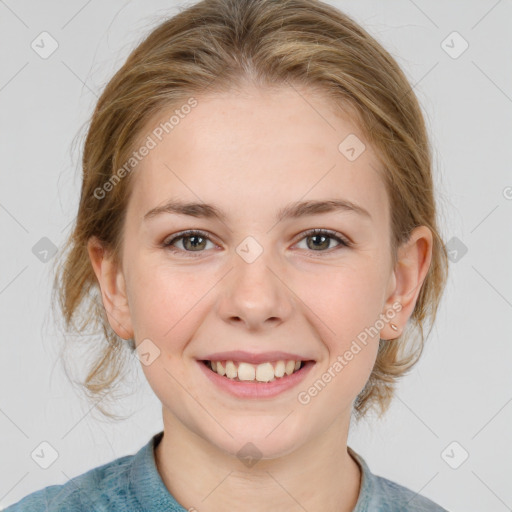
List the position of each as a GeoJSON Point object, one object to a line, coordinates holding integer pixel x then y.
{"type": "Point", "coordinates": [255, 295]}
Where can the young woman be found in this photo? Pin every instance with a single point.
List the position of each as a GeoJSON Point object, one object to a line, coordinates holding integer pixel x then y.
{"type": "Point", "coordinates": [257, 223]}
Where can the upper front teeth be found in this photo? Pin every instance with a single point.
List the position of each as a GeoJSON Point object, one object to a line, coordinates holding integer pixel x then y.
{"type": "Point", "coordinates": [264, 372]}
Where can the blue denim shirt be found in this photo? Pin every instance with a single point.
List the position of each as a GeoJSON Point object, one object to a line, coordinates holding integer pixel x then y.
{"type": "Point", "coordinates": [132, 484]}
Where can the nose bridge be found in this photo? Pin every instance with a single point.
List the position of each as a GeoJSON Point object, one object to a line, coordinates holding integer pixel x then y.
{"type": "Point", "coordinates": [254, 294]}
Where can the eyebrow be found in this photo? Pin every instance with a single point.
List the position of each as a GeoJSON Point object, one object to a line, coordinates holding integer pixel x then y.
{"type": "Point", "coordinates": [291, 211]}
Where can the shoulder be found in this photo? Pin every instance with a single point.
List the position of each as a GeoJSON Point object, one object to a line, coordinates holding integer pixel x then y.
{"type": "Point", "coordinates": [378, 494]}
{"type": "Point", "coordinates": [390, 496]}
{"type": "Point", "coordinates": [98, 489]}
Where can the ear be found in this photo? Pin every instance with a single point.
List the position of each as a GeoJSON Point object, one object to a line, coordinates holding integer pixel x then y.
{"type": "Point", "coordinates": [414, 258]}
{"type": "Point", "coordinates": [113, 288]}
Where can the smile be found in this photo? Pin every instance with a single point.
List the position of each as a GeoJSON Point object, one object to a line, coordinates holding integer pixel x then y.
{"type": "Point", "coordinates": [257, 381]}
{"type": "Point", "coordinates": [264, 372]}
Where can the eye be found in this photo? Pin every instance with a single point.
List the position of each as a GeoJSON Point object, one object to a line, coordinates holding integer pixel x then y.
{"type": "Point", "coordinates": [322, 238]}
{"type": "Point", "coordinates": [191, 240]}
{"type": "Point", "coordinates": [195, 241]}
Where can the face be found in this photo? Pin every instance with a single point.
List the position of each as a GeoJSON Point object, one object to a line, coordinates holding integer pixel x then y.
{"type": "Point", "coordinates": [252, 281]}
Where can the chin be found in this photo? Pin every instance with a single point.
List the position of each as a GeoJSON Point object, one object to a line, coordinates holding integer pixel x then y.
{"type": "Point", "coordinates": [268, 439]}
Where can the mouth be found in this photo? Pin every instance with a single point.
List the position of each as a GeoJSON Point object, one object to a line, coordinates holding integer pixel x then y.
{"type": "Point", "coordinates": [265, 372]}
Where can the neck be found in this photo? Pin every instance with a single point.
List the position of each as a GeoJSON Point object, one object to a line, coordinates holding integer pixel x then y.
{"type": "Point", "coordinates": [320, 475]}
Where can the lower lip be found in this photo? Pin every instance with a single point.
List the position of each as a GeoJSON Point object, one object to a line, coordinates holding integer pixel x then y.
{"type": "Point", "coordinates": [257, 390]}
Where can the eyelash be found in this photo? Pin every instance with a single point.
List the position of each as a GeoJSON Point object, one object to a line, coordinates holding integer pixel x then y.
{"type": "Point", "coordinates": [344, 242]}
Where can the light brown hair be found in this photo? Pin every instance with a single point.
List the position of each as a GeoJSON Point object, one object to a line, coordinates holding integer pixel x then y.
{"type": "Point", "coordinates": [216, 45]}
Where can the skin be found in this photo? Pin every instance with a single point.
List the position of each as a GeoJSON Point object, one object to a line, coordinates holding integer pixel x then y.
{"type": "Point", "coordinates": [248, 151]}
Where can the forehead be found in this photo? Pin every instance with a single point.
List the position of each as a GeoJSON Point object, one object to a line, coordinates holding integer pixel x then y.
{"type": "Point", "coordinates": [255, 150]}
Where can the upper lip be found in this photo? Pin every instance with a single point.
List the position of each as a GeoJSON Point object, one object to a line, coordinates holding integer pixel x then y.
{"type": "Point", "coordinates": [240, 355]}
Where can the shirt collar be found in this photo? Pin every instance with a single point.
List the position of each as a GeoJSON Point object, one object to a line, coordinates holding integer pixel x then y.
{"type": "Point", "coordinates": [146, 483]}
{"type": "Point", "coordinates": [152, 494]}
{"type": "Point", "coordinates": [366, 488]}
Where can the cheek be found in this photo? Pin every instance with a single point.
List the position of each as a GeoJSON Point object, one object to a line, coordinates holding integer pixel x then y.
{"type": "Point", "coordinates": [345, 304]}
{"type": "Point", "coordinates": [345, 299]}
{"type": "Point", "coordinates": [163, 300]}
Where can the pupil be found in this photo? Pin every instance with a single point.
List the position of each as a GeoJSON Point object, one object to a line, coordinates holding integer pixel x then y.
{"type": "Point", "coordinates": [320, 236]}
{"type": "Point", "coordinates": [194, 244]}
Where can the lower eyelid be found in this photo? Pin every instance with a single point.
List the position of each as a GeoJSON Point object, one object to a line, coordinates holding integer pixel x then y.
{"type": "Point", "coordinates": [171, 242]}
{"type": "Point", "coordinates": [342, 242]}
{"type": "Point", "coordinates": [338, 237]}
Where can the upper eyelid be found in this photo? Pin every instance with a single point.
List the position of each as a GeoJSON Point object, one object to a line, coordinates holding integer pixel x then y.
{"type": "Point", "coordinates": [187, 233]}
{"type": "Point", "coordinates": [344, 240]}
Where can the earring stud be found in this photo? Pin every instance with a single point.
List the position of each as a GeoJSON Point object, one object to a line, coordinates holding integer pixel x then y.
{"type": "Point", "coordinates": [394, 327]}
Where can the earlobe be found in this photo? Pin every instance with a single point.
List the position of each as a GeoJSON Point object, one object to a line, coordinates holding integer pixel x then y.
{"type": "Point", "coordinates": [113, 289]}
{"type": "Point", "coordinates": [414, 258]}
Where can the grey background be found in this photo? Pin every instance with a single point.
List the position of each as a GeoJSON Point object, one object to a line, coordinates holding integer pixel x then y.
{"type": "Point", "coordinates": [462, 388]}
